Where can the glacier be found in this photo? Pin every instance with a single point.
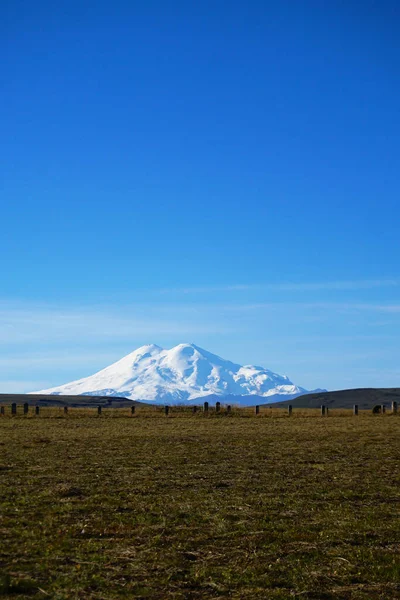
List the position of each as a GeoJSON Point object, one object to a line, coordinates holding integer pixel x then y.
{"type": "Point", "coordinates": [182, 375]}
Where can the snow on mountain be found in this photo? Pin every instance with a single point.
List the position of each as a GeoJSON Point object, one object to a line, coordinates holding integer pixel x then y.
{"type": "Point", "coordinates": [181, 375]}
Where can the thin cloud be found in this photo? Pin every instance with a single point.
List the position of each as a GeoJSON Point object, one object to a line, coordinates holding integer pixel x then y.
{"type": "Point", "coordinates": [19, 326]}
{"type": "Point", "coordinates": [287, 286]}
{"type": "Point", "coordinates": [10, 386]}
{"type": "Point", "coordinates": [71, 359]}
{"type": "Point", "coordinates": [335, 306]}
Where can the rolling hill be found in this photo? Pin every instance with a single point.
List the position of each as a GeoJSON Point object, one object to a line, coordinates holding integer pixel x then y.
{"type": "Point", "coordinates": [366, 398]}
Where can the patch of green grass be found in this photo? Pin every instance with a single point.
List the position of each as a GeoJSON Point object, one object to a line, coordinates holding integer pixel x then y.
{"type": "Point", "coordinates": [195, 507]}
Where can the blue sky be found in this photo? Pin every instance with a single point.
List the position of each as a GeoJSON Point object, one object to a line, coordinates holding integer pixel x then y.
{"type": "Point", "coordinates": [221, 173]}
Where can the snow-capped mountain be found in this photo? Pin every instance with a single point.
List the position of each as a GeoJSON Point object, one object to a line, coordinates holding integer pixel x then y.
{"type": "Point", "coordinates": [181, 375]}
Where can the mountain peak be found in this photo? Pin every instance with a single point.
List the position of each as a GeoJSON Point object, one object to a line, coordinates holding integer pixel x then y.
{"type": "Point", "coordinates": [182, 374]}
{"type": "Point", "coordinates": [186, 345]}
{"type": "Point", "coordinates": [148, 348]}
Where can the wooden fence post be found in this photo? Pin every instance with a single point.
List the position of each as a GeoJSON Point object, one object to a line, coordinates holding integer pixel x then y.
{"type": "Point", "coordinates": [99, 411]}
{"type": "Point", "coordinates": [65, 410]}
{"type": "Point", "coordinates": [355, 409]}
{"type": "Point", "coordinates": [132, 410]}
{"type": "Point", "coordinates": [166, 410]}
{"type": "Point", "coordinates": [257, 410]}
{"type": "Point", "coordinates": [26, 408]}
{"type": "Point", "coordinates": [229, 409]}
{"type": "Point", "coordinates": [217, 407]}
{"type": "Point", "coordinates": [322, 410]}
{"type": "Point", "coordinates": [194, 409]}
{"type": "Point", "coordinates": [37, 409]}
{"type": "Point", "coordinates": [327, 411]}
{"type": "Point", "coordinates": [394, 407]}
{"type": "Point", "coordinates": [1, 410]}
{"type": "Point", "coordinates": [290, 410]}
{"type": "Point", "coordinates": [206, 407]}
{"type": "Point", "coordinates": [13, 408]}
{"type": "Point", "coordinates": [383, 408]}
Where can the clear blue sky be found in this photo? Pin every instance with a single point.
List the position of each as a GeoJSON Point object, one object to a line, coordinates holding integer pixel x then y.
{"type": "Point", "coordinates": [225, 173]}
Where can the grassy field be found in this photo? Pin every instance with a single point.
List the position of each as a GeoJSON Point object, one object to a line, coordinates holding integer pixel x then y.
{"type": "Point", "coordinates": [191, 507]}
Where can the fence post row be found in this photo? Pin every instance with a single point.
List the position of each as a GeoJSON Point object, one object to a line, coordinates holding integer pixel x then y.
{"type": "Point", "coordinates": [324, 409]}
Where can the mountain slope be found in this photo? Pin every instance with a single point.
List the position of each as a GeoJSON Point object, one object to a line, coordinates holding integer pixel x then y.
{"type": "Point", "coordinates": [180, 375]}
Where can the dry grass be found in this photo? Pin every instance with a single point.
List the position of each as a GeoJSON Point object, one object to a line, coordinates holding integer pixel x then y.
{"type": "Point", "coordinates": [190, 507]}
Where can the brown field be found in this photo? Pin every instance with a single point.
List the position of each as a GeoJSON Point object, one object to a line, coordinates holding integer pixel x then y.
{"type": "Point", "coordinates": [193, 507]}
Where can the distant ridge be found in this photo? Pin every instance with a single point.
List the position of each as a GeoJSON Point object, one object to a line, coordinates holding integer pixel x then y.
{"type": "Point", "coordinates": [73, 401]}
{"type": "Point", "coordinates": [366, 398]}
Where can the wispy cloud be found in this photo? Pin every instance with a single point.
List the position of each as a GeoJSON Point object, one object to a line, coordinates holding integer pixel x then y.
{"type": "Point", "coordinates": [9, 386]}
{"type": "Point", "coordinates": [343, 285]}
{"type": "Point", "coordinates": [19, 326]}
{"type": "Point", "coordinates": [25, 325]}
{"type": "Point", "coordinates": [333, 306]}
{"type": "Point", "coordinates": [55, 359]}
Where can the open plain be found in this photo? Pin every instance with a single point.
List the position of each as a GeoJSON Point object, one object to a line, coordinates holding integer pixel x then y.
{"type": "Point", "coordinates": [191, 506]}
